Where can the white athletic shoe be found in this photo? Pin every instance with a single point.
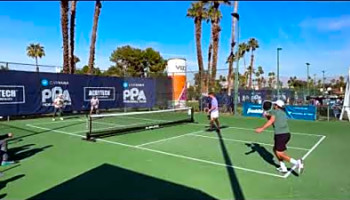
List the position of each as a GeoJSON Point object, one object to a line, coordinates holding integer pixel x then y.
{"type": "Point", "coordinates": [53, 119]}
{"type": "Point", "coordinates": [282, 170]}
{"type": "Point", "coordinates": [61, 118]}
{"type": "Point", "coordinates": [300, 166]}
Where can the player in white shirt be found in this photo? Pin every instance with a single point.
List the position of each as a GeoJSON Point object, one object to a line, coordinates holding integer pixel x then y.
{"type": "Point", "coordinates": [58, 104]}
{"type": "Point", "coordinates": [94, 102]}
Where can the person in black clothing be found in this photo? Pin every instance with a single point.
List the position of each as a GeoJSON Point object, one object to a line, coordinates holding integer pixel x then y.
{"type": "Point", "coordinates": [3, 149]}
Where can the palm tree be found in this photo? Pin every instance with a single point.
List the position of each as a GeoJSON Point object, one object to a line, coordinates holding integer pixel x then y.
{"type": "Point", "coordinates": [199, 13]}
{"type": "Point", "coordinates": [35, 51]}
{"type": "Point", "coordinates": [258, 73]}
{"type": "Point", "coordinates": [215, 16]}
{"type": "Point", "coordinates": [242, 50]}
{"type": "Point", "coordinates": [253, 45]}
{"type": "Point", "coordinates": [98, 6]}
{"type": "Point", "coordinates": [72, 30]}
{"type": "Point", "coordinates": [231, 56]}
{"type": "Point", "coordinates": [271, 79]}
{"type": "Point", "coordinates": [64, 24]}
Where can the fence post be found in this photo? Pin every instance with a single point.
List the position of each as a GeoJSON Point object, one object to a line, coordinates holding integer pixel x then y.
{"type": "Point", "coordinates": [328, 112]}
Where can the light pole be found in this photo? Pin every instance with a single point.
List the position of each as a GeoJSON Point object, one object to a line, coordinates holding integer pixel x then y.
{"type": "Point", "coordinates": [278, 72]}
{"type": "Point", "coordinates": [236, 15]}
{"type": "Point", "coordinates": [307, 79]}
{"type": "Point", "coordinates": [324, 89]}
{"type": "Point", "coordinates": [314, 84]}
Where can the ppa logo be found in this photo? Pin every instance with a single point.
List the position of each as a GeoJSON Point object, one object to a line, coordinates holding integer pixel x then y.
{"type": "Point", "coordinates": [134, 95]}
{"type": "Point", "coordinates": [49, 95]}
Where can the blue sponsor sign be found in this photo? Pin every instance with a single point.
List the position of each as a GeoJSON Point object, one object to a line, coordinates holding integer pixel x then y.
{"type": "Point", "coordinates": [252, 110]}
{"type": "Point", "coordinates": [102, 93]}
{"type": "Point", "coordinates": [12, 94]}
{"type": "Point", "coordinates": [139, 92]}
{"type": "Point", "coordinates": [25, 93]}
{"type": "Point", "coordinates": [293, 112]}
{"type": "Point", "coordinates": [301, 112]}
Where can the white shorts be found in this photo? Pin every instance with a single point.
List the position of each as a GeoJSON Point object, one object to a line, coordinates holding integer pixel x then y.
{"type": "Point", "coordinates": [94, 107]}
{"type": "Point", "coordinates": [214, 114]}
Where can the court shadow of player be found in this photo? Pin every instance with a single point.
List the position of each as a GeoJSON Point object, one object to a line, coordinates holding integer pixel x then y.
{"type": "Point", "coordinates": [212, 130]}
{"type": "Point", "coordinates": [263, 153]}
{"type": "Point", "coordinates": [25, 151]}
{"type": "Point", "coordinates": [235, 185]}
{"type": "Point", "coordinates": [3, 183]}
{"type": "Point", "coordinates": [33, 133]}
{"type": "Point", "coordinates": [111, 182]}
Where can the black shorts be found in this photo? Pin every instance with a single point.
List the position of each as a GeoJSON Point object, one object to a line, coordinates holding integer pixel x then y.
{"type": "Point", "coordinates": [281, 141]}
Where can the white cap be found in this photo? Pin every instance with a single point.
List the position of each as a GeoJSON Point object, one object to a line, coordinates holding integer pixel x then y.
{"type": "Point", "coordinates": [279, 103]}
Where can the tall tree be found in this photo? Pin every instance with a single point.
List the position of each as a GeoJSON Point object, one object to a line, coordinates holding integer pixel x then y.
{"type": "Point", "coordinates": [71, 36]}
{"type": "Point", "coordinates": [35, 51]}
{"type": "Point", "coordinates": [135, 62]}
{"type": "Point", "coordinates": [215, 16]}
{"type": "Point", "coordinates": [231, 56]}
{"type": "Point", "coordinates": [271, 79]}
{"type": "Point", "coordinates": [199, 13]}
{"type": "Point", "coordinates": [98, 6]}
{"type": "Point", "coordinates": [242, 50]}
{"type": "Point", "coordinates": [259, 73]}
{"type": "Point", "coordinates": [253, 45]}
{"type": "Point", "coordinates": [64, 26]}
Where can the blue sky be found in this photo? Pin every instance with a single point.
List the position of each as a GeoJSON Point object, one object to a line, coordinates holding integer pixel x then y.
{"type": "Point", "coordinates": [314, 32]}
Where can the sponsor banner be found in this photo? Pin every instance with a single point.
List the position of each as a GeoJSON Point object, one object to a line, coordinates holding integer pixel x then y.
{"type": "Point", "coordinates": [252, 110]}
{"type": "Point", "coordinates": [301, 112]}
{"type": "Point", "coordinates": [102, 93]}
{"type": "Point", "coordinates": [138, 92]}
{"type": "Point", "coordinates": [293, 112]}
{"type": "Point", "coordinates": [12, 94]}
{"type": "Point", "coordinates": [25, 93]}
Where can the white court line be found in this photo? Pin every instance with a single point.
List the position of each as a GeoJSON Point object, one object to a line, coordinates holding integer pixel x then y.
{"type": "Point", "coordinates": [59, 121]}
{"type": "Point", "coordinates": [305, 156]}
{"type": "Point", "coordinates": [162, 140]}
{"type": "Point", "coordinates": [244, 141]}
{"type": "Point", "coordinates": [154, 120]}
{"type": "Point", "coordinates": [249, 129]}
{"type": "Point", "coordinates": [165, 153]}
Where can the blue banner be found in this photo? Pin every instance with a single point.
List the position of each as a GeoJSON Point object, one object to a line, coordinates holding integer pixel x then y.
{"type": "Point", "coordinates": [25, 93]}
{"type": "Point", "coordinates": [301, 112]}
{"type": "Point", "coordinates": [252, 110]}
{"type": "Point", "coordinates": [293, 112]}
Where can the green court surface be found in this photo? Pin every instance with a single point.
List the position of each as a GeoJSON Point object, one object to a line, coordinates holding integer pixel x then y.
{"type": "Point", "coordinates": [182, 161]}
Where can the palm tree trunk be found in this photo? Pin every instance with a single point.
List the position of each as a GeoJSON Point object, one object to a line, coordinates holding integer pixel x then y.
{"type": "Point", "coordinates": [216, 31]}
{"type": "Point", "coordinates": [36, 63]}
{"type": "Point", "coordinates": [251, 69]}
{"type": "Point", "coordinates": [198, 24]}
{"type": "Point", "coordinates": [72, 30]}
{"type": "Point", "coordinates": [93, 36]}
{"type": "Point", "coordinates": [209, 66]}
{"type": "Point", "coordinates": [64, 24]}
{"type": "Point", "coordinates": [230, 66]}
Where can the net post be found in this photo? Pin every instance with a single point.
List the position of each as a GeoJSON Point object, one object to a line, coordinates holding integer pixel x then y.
{"type": "Point", "coordinates": [88, 133]}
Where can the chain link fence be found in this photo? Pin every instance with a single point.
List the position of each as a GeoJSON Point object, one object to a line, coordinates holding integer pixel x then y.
{"type": "Point", "coordinates": [321, 92]}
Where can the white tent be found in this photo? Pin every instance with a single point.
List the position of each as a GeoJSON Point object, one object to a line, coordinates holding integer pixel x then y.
{"type": "Point", "coordinates": [346, 105]}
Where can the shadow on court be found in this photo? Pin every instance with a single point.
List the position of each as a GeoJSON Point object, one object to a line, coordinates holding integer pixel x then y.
{"type": "Point", "coordinates": [111, 182]}
{"type": "Point", "coordinates": [25, 151]}
{"type": "Point", "coordinates": [3, 183]}
{"type": "Point", "coordinates": [235, 185]}
{"type": "Point", "coordinates": [263, 153]}
{"type": "Point", "coordinates": [16, 139]}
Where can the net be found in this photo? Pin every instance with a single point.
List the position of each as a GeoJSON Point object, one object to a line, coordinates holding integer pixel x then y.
{"type": "Point", "coordinates": [115, 123]}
